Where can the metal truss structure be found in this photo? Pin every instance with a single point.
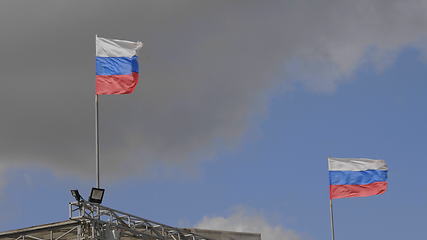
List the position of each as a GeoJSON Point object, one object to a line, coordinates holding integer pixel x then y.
{"type": "Point", "coordinates": [67, 230]}
{"type": "Point", "coordinates": [106, 223]}
{"type": "Point", "coordinates": [91, 221]}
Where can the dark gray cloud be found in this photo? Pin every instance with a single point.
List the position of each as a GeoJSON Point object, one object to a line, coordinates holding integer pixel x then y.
{"type": "Point", "coordinates": [207, 67]}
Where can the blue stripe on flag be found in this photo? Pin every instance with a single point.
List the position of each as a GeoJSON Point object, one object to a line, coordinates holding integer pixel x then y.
{"type": "Point", "coordinates": [116, 65]}
{"type": "Point", "coordinates": [357, 177]}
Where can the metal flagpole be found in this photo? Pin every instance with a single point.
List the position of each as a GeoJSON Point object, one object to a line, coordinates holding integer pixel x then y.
{"type": "Point", "coordinates": [97, 140]}
{"type": "Point", "coordinates": [97, 132]}
{"type": "Point", "coordinates": [331, 212]}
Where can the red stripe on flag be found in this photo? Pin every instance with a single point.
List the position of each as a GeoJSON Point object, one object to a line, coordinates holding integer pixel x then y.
{"type": "Point", "coordinates": [116, 84]}
{"type": "Point", "coordinates": [347, 191]}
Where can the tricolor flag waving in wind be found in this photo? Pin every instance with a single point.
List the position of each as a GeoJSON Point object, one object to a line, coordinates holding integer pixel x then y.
{"type": "Point", "coordinates": [116, 66]}
{"type": "Point", "coordinates": [356, 177]}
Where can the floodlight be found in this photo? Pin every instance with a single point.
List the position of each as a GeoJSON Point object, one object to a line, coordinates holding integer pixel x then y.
{"type": "Point", "coordinates": [76, 195]}
{"type": "Point", "coordinates": [96, 195]}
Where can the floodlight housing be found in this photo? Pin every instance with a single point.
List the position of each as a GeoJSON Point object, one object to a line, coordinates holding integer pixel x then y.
{"type": "Point", "coordinates": [96, 195]}
{"type": "Point", "coordinates": [76, 195]}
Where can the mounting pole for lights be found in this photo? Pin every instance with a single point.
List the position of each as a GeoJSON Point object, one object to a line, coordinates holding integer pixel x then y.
{"type": "Point", "coordinates": [97, 140]}
{"type": "Point", "coordinates": [97, 133]}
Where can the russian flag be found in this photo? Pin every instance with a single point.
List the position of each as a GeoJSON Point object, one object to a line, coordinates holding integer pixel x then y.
{"type": "Point", "coordinates": [356, 177]}
{"type": "Point", "coordinates": [116, 66]}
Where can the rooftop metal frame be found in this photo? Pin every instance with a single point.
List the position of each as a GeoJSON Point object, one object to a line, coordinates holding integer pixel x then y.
{"type": "Point", "coordinates": [101, 220]}
{"type": "Point", "coordinates": [91, 221]}
{"type": "Point", "coordinates": [65, 230]}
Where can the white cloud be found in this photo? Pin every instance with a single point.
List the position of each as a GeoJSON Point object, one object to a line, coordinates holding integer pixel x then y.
{"type": "Point", "coordinates": [243, 221]}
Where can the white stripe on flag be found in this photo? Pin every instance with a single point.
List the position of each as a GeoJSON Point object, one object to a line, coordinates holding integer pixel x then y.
{"type": "Point", "coordinates": [356, 164]}
{"type": "Point", "coordinates": [116, 48]}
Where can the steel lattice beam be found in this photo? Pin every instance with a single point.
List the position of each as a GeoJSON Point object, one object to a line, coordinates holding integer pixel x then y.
{"type": "Point", "coordinates": [102, 218]}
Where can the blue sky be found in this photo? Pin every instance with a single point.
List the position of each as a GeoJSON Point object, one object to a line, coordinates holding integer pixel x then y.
{"type": "Point", "coordinates": [279, 169]}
